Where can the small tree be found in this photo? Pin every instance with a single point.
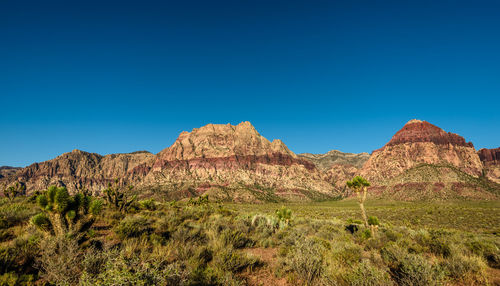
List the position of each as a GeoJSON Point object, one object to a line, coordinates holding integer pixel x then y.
{"type": "Point", "coordinates": [119, 198]}
{"type": "Point", "coordinates": [64, 214]}
{"type": "Point", "coordinates": [15, 190]}
{"type": "Point", "coordinates": [359, 185]}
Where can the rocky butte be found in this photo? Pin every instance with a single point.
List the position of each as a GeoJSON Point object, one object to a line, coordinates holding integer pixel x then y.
{"type": "Point", "coordinates": [423, 161]}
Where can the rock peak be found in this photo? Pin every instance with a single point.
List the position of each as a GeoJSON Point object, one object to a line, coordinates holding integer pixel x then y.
{"type": "Point", "coordinates": [422, 131]}
{"type": "Point", "coordinates": [414, 121]}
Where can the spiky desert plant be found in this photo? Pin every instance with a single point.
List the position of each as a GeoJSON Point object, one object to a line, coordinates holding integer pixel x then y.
{"type": "Point", "coordinates": [359, 185]}
{"type": "Point", "coordinates": [65, 214]}
{"type": "Point", "coordinates": [284, 215]}
{"type": "Point", "coordinates": [118, 198]}
{"type": "Point", "coordinates": [14, 190]}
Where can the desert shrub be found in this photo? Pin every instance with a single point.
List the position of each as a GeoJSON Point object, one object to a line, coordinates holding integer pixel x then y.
{"type": "Point", "coordinates": [306, 260]}
{"type": "Point", "coordinates": [133, 226]}
{"type": "Point", "coordinates": [189, 231]}
{"type": "Point", "coordinates": [373, 220]}
{"type": "Point", "coordinates": [60, 260]}
{"type": "Point", "coordinates": [469, 269]}
{"type": "Point", "coordinates": [15, 213]}
{"type": "Point", "coordinates": [236, 238]}
{"type": "Point", "coordinates": [409, 269]}
{"type": "Point", "coordinates": [487, 249]}
{"type": "Point", "coordinates": [19, 255]}
{"type": "Point", "coordinates": [230, 260]}
{"type": "Point", "coordinates": [12, 278]}
{"type": "Point", "coordinates": [347, 253]}
{"type": "Point", "coordinates": [149, 204]}
{"type": "Point", "coordinates": [366, 274]}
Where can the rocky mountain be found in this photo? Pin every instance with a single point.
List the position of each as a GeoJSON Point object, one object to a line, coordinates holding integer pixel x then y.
{"type": "Point", "coordinates": [325, 161]}
{"type": "Point", "coordinates": [225, 161]}
{"type": "Point", "coordinates": [491, 162]}
{"type": "Point", "coordinates": [8, 171]}
{"type": "Point", "coordinates": [422, 161]}
{"type": "Point", "coordinates": [421, 142]}
{"type": "Point", "coordinates": [77, 169]}
{"type": "Point", "coordinates": [233, 162]}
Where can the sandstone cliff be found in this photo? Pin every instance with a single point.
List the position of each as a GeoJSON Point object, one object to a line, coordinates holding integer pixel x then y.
{"type": "Point", "coordinates": [231, 162]}
{"type": "Point", "coordinates": [422, 161]}
{"type": "Point", "coordinates": [491, 162]}
{"type": "Point", "coordinates": [421, 142]}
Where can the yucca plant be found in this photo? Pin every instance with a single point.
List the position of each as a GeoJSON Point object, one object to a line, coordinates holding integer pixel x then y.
{"type": "Point", "coordinates": [65, 214]}
{"type": "Point", "coordinates": [359, 185]}
{"type": "Point", "coordinates": [14, 190]}
{"type": "Point", "coordinates": [118, 198]}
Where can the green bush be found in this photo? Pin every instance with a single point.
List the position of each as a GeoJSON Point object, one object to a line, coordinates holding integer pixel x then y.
{"type": "Point", "coordinates": [133, 226]}
{"type": "Point", "coordinates": [306, 259]}
{"type": "Point", "coordinates": [465, 268]}
{"type": "Point", "coordinates": [373, 220]}
{"type": "Point", "coordinates": [365, 274]}
{"type": "Point", "coordinates": [230, 260]}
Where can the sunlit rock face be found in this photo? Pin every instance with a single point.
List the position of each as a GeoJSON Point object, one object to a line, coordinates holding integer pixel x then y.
{"type": "Point", "coordinates": [421, 142]}
{"type": "Point", "coordinates": [232, 156]}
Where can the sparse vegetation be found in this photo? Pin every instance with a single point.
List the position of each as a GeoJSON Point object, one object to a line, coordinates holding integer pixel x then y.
{"type": "Point", "coordinates": [206, 243]}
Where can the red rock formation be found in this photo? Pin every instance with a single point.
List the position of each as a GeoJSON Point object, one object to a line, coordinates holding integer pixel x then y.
{"type": "Point", "coordinates": [422, 131]}
{"type": "Point", "coordinates": [491, 161]}
{"type": "Point", "coordinates": [421, 142]}
{"type": "Point", "coordinates": [227, 155]}
{"type": "Point", "coordinates": [489, 155]}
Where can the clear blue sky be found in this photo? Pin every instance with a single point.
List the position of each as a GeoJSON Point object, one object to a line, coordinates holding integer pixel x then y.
{"type": "Point", "coordinates": [119, 76]}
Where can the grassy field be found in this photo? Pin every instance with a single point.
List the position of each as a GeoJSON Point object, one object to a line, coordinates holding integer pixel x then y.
{"type": "Point", "coordinates": [473, 216]}
{"type": "Point", "coordinates": [58, 239]}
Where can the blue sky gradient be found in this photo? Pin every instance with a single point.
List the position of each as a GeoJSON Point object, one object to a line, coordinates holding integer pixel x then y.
{"type": "Point", "coordinates": [120, 76]}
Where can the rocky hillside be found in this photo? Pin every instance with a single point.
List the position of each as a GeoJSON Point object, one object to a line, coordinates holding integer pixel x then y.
{"type": "Point", "coordinates": [77, 169]}
{"type": "Point", "coordinates": [491, 162]}
{"type": "Point", "coordinates": [422, 161]}
{"type": "Point", "coordinates": [233, 162]}
{"type": "Point", "coordinates": [6, 171]}
{"type": "Point", "coordinates": [431, 182]}
{"type": "Point", "coordinates": [236, 163]}
{"type": "Point", "coordinates": [325, 161]}
{"type": "Point", "coordinates": [421, 142]}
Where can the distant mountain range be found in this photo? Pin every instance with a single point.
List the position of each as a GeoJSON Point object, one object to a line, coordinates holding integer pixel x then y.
{"type": "Point", "coordinates": [234, 162]}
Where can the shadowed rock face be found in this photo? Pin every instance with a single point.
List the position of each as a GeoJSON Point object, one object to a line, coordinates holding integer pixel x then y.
{"type": "Point", "coordinates": [77, 169]}
{"type": "Point", "coordinates": [326, 161]}
{"type": "Point", "coordinates": [421, 142]}
{"type": "Point", "coordinates": [489, 155]}
{"type": "Point", "coordinates": [6, 171]}
{"type": "Point", "coordinates": [491, 162]}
